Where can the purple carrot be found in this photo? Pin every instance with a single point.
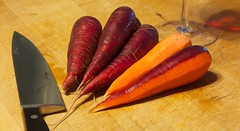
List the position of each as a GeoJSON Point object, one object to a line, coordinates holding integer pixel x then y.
{"type": "Point", "coordinates": [82, 46]}
{"type": "Point", "coordinates": [119, 27]}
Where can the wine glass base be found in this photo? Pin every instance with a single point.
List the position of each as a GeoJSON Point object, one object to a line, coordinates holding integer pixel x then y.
{"type": "Point", "coordinates": [199, 34]}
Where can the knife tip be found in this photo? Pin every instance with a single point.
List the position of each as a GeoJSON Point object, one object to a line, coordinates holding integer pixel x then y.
{"type": "Point", "coordinates": [15, 33]}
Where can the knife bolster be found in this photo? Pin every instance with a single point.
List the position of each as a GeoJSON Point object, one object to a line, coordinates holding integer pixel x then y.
{"type": "Point", "coordinates": [34, 120]}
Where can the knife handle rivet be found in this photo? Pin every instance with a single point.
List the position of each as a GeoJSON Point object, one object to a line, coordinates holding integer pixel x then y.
{"type": "Point", "coordinates": [34, 116]}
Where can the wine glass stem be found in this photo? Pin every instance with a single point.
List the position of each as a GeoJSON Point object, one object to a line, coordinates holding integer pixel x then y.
{"type": "Point", "coordinates": [184, 26]}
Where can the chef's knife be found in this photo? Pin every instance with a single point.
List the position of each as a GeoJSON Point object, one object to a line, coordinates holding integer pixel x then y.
{"type": "Point", "coordinates": [37, 88]}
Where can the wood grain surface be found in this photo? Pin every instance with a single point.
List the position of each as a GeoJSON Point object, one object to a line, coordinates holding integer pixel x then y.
{"type": "Point", "coordinates": [211, 103]}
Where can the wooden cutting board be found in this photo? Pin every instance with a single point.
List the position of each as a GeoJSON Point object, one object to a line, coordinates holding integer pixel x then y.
{"type": "Point", "coordinates": [211, 103]}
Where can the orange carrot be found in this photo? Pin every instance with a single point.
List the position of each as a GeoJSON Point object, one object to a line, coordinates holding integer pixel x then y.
{"type": "Point", "coordinates": [182, 68]}
{"type": "Point", "coordinates": [159, 53]}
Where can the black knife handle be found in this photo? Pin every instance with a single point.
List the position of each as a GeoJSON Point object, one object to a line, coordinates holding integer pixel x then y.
{"type": "Point", "coordinates": [34, 120]}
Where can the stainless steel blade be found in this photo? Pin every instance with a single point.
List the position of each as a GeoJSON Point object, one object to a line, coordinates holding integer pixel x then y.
{"type": "Point", "coordinates": [36, 84]}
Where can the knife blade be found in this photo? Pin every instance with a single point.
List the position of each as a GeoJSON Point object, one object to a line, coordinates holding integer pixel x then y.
{"type": "Point", "coordinates": [37, 88]}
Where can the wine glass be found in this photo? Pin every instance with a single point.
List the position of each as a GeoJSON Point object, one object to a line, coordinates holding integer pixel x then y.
{"type": "Point", "coordinates": [199, 34]}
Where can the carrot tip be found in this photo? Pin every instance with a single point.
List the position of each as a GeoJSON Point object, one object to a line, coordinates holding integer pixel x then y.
{"type": "Point", "coordinates": [92, 110]}
{"type": "Point", "coordinates": [106, 95]}
{"type": "Point", "coordinates": [97, 108]}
